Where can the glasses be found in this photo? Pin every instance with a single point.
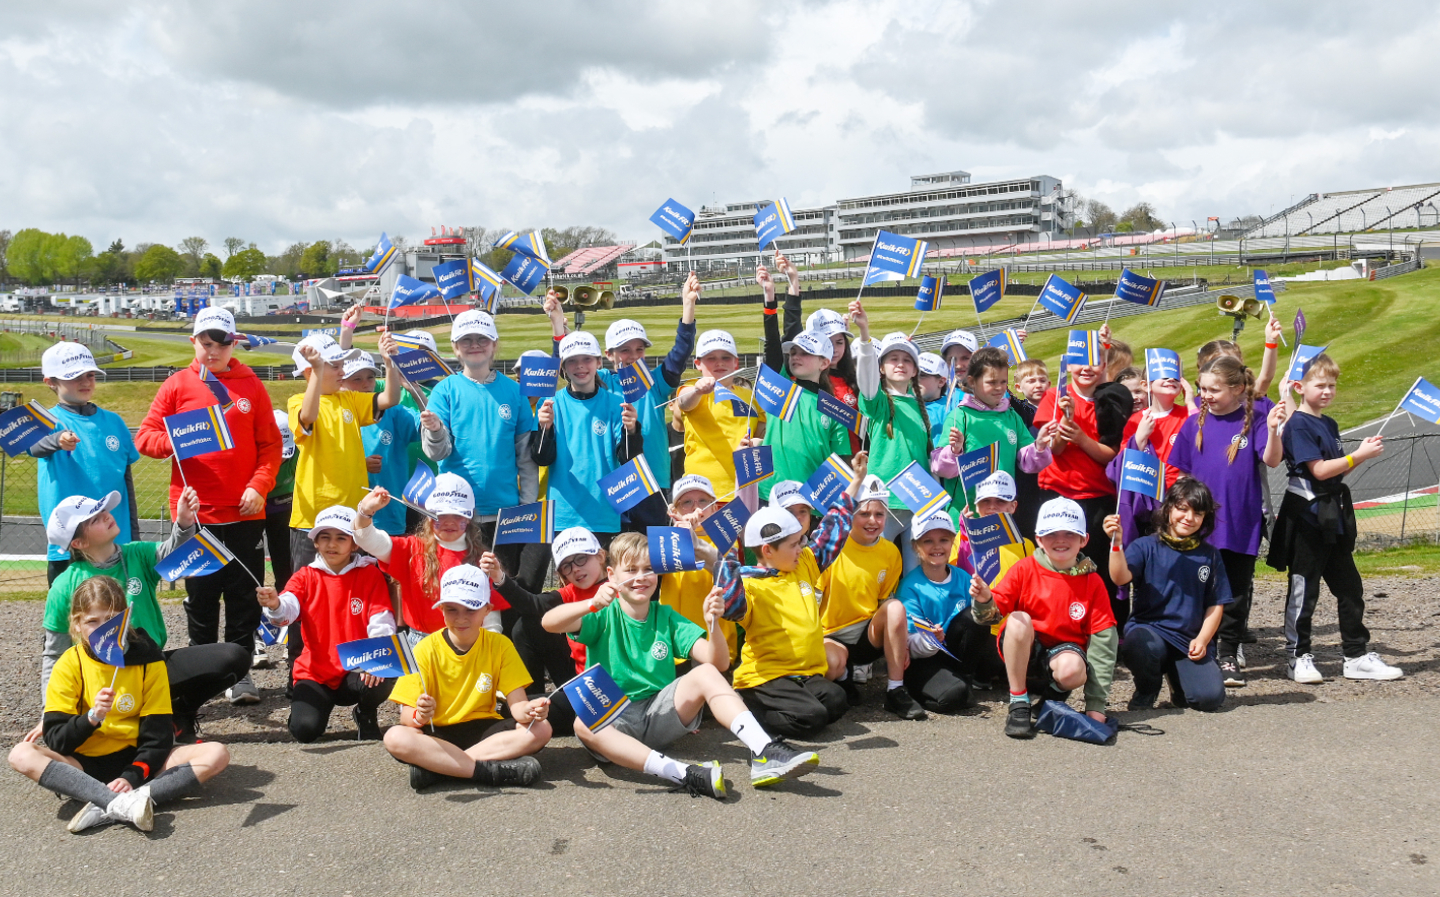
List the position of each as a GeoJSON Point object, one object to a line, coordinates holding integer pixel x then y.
{"type": "Point", "coordinates": [569, 564]}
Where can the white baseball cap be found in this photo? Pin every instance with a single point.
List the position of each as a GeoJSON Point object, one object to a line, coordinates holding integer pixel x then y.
{"type": "Point", "coordinates": [334, 517]}
{"type": "Point", "coordinates": [810, 343]}
{"type": "Point", "coordinates": [872, 488]}
{"type": "Point", "coordinates": [362, 362]}
{"type": "Point", "coordinates": [214, 319]}
{"type": "Point", "coordinates": [716, 341]}
{"type": "Point", "coordinates": [788, 493]}
{"type": "Point", "coordinates": [899, 342]}
{"type": "Point", "coordinates": [474, 322]}
{"type": "Point", "coordinates": [997, 485]}
{"type": "Point", "coordinates": [579, 343]}
{"type": "Point", "coordinates": [825, 322]}
{"type": "Point", "coordinates": [769, 525]}
{"type": "Point", "coordinates": [963, 338]}
{"type": "Point", "coordinates": [933, 364]}
{"type": "Point", "coordinates": [573, 541]}
{"type": "Point", "coordinates": [330, 352]}
{"type": "Point", "coordinates": [622, 332]}
{"type": "Point", "coordinates": [74, 511]}
{"type": "Point", "coordinates": [529, 353]}
{"type": "Point", "coordinates": [424, 336]}
{"type": "Point", "coordinates": [465, 585]}
{"type": "Point", "coordinates": [939, 519]}
{"type": "Point", "coordinates": [1060, 515]}
{"type": "Point", "coordinates": [451, 494]}
{"type": "Point", "coordinates": [692, 482]}
{"type": "Point", "coordinates": [66, 361]}
{"type": "Point", "coordinates": [287, 436]}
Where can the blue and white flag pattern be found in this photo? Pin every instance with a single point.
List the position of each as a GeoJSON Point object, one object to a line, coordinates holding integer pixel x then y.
{"type": "Point", "coordinates": [893, 257]}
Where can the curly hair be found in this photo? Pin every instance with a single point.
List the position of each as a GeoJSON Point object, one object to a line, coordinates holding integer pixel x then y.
{"type": "Point", "coordinates": [1193, 494]}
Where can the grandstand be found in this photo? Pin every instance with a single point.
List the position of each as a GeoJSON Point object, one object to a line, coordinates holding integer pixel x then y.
{"type": "Point", "coordinates": [586, 262]}
{"type": "Point", "coordinates": [1352, 211]}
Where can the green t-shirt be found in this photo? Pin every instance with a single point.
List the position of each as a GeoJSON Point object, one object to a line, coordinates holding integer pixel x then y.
{"type": "Point", "coordinates": [285, 477]}
{"type": "Point", "coordinates": [639, 655]}
{"type": "Point", "coordinates": [136, 572]}
{"type": "Point", "coordinates": [802, 443]}
{"type": "Point", "coordinates": [980, 429]}
{"type": "Point", "coordinates": [889, 456]}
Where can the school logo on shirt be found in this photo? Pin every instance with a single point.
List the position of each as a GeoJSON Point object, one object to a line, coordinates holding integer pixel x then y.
{"type": "Point", "coordinates": [505, 412]}
{"type": "Point", "coordinates": [133, 586]}
{"type": "Point", "coordinates": [1205, 573]}
{"type": "Point", "coordinates": [346, 416]}
{"type": "Point", "coordinates": [112, 443]}
{"type": "Point", "coordinates": [356, 605]}
{"type": "Point", "coordinates": [1010, 435]}
{"type": "Point", "coordinates": [1242, 439]}
{"type": "Point", "coordinates": [385, 438]}
{"type": "Point", "coordinates": [243, 405]}
{"type": "Point", "coordinates": [1077, 610]}
{"type": "Point", "coordinates": [483, 683]}
{"type": "Point", "coordinates": [807, 591]}
{"type": "Point", "coordinates": [125, 703]}
{"type": "Point", "coordinates": [1172, 437]}
{"type": "Point", "coordinates": [880, 577]}
{"type": "Point", "coordinates": [598, 427]}
{"type": "Point", "coordinates": [850, 400]}
{"type": "Point", "coordinates": [659, 650]}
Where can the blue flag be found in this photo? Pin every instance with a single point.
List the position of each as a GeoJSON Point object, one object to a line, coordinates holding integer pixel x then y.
{"type": "Point", "coordinates": [738, 406]}
{"type": "Point", "coordinates": [386, 656]}
{"type": "Point", "coordinates": [1141, 290]}
{"type": "Point", "coordinates": [486, 283]}
{"type": "Point", "coordinates": [271, 634]}
{"type": "Point", "coordinates": [975, 466]}
{"type": "Point", "coordinates": [1062, 299]}
{"type": "Point", "coordinates": [1162, 364]}
{"type": "Point", "coordinates": [635, 380]}
{"type": "Point", "coordinates": [1263, 290]}
{"type": "Point", "coordinates": [452, 279]}
{"type": "Point", "coordinates": [384, 254]}
{"type": "Point", "coordinates": [932, 290]}
{"type": "Point", "coordinates": [1423, 401]}
{"type": "Point", "coordinates": [672, 549]}
{"type": "Point", "coordinates": [254, 342]}
{"type": "Point", "coordinates": [421, 484]}
{"type": "Point", "coordinates": [409, 291]}
{"type": "Point", "coordinates": [918, 490]}
{"type": "Point", "coordinates": [1083, 347]}
{"type": "Point", "coordinates": [987, 289]}
{"type": "Point", "coordinates": [776, 394]}
{"type": "Point", "coordinates": [725, 525]}
{"type": "Point", "coordinates": [773, 221]}
{"type": "Point", "coordinates": [419, 365]}
{"type": "Point", "coordinates": [108, 640]}
{"type": "Point", "coordinates": [199, 432]}
{"type": "Point", "coordinates": [217, 389]}
{"type": "Point", "coordinates": [992, 533]}
{"type": "Point", "coordinates": [524, 272]}
{"type": "Point", "coordinates": [893, 257]}
{"type": "Point", "coordinates": [595, 697]}
{"type": "Point", "coordinates": [1299, 325]}
{"type": "Point", "coordinates": [25, 425]}
{"type": "Point", "coordinates": [675, 220]}
{"type": "Point", "coordinates": [526, 524]}
{"type": "Point", "coordinates": [1010, 342]}
{"type": "Point", "coordinates": [529, 245]}
{"type": "Point", "coordinates": [1142, 473]}
{"type": "Point", "coordinates": [827, 483]}
{"type": "Point", "coordinates": [835, 409]}
{"type": "Point", "coordinates": [628, 485]}
{"type": "Point", "coordinates": [539, 376]}
{"type": "Point", "coordinates": [753, 464]}
{"type": "Point", "coordinates": [200, 555]}
{"type": "Point", "coordinates": [1301, 365]}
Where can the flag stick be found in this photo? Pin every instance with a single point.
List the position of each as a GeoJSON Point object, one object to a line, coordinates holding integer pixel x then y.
{"type": "Point", "coordinates": [1109, 308]}
{"type": "Point", "coordinates": [979, 322]}
{"type": "Point", "coordinates": [1397, 406]}
{"type": "Point", "coordinates": [178, 466]}
{"type": "Point", "coordinates": [1032, 309]}
{"type": "Point", "coordinates": [917, 324]}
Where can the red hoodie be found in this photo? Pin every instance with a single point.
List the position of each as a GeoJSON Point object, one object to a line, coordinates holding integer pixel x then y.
{"type": "Point", "coordinates": [220, 478]}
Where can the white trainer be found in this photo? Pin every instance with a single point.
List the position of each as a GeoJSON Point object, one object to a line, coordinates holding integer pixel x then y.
{"type": "Point", "coordinates": [260, 660]}
{"type": "Point", "coordinates": [134, 807]}
{"type": "Point", "coordinates": [88, 817]}
{"type": "Point", "coordinates": [1370, 667]}
{"type": "Point", "coordinates": [860, 673]}
{"type": "Point", "coordinates": [1302, 670]}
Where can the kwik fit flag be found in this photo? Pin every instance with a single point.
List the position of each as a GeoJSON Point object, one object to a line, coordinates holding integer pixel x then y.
{"type": "Point", "coordinates": [773, 221]}
{"type": "Point", "coordinates": [1423, 401]}
{"type": "Point", "coordinates": [1299, 325]}
{"type": "Point", "coordinates": [976, 465]}
{"type": "Point", "coordinates": [485, 282]}
{"type": "Point", "coordinates": [409, 291]}
{"type": "Point", "coordinates": [1142, 473]}
{"type": "Point", "coordinates": [25, 425]}
{"type": "Point", "coordinates": [251, 341]}
{"type": "Point", "coordinates": [987, 289]}
{"type": "Point", "coordinates": [199, 432]}
{"type": "Point", "coordinates": [918, 490]}
{"type": "Point", "coordinates": [217, 389]}
{"type": "Point", "coordinates": [776, 394]}
{"type": "Point", "coordinates": [539, 376]}
{"type": "Point", "coordinates": [675, 220]}
{"type": "Point", "coordinates": [524, 272]}
{"type": "Point", "coordinates": [200, 555]}
{"type": "Point", "coordinates": [753, 464]}
{"type": "Point", "coordinates": [1162, 364]}
{"type": "Point", "coordinates": [419, 365]}
{"type": "Point", "coordinates": [628, 485]}
{"type": "Point", "coordinates": [386, 656]}
{"type": "Point", "coordinates": [1083, 347]}
{"type": "Point", "coordinates": [529, 245]}
{"type": "Point", "coordinates": [672, 549]}
{"type": "Point", "coordinates": [835, 409]}
{"type": "Point", "coordinates": [893, 257]}
{"type": "Point", "coordinates": [595, 697]}
{"type": "Point", "coordinates": [421, 484]}
{"type": "Point", "coordinates": [1303, 356]}
{"type": "Point", "coordinates": [1140, 290]}
{"type": "Point", "coordinates": [725, 525]}
{"type": "Point", "coordinates": [738, 406]}
{"type": "Point", "coordinates": [272, 634]}
{"type": "Point", "coordinates": [108, 640]}
{"type": "Point", "coordinates": [526, 524]}
{"type": "Point", "coordinates": [452, 278]}
{"type": "Point", "coordinates": [635, 380]}
{"type": "Point", "coordinates": [992, 533]}
{"type": "Point", "coordinates": [1010, 342]}
{"type": "Point", "coordinates": [932, 290]}
{"type": "Point", "coordinates": [827, 483]}
{"type": "Point", "coordinates": [1063, 299]}
{"type": "Point", "coordinates": [1263, 289]}
{"type": "Point", "coordinates": [384, 254]}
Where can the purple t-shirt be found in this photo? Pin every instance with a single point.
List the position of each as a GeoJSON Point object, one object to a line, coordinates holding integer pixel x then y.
{"type": "Point", "coordinates": [1237, 487]}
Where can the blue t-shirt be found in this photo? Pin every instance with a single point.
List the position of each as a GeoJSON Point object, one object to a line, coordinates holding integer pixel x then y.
{"type": "Point", "coordinates": [1171, 590]}
{"type": "Point", "coordinates": [1309, 438]}
{"type": "Point", "coordinates": [651, 413]}
{"type": "Point", "coordinates": [937, 410]}
{"type": "Point", "coordinates": [483, 421]}
{"type": "Point", "coordinates": [96, 467]}
{"type": "Point", "coordinates": [587, 432]}
{"type": "Point", "coordinates": [391, 438]}
{"type": "Point", "coordinates": [934, 602]}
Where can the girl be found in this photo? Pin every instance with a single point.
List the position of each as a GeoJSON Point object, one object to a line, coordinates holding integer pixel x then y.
{"type": "Point", "coordinates": [1153, 429]}
{"type": "Point", "coordinates": [387, 442]}
{"type": "Point", "coordinates": [830, 325]}
{"type": "Point", "coordinates": [1217, 347]}
{"type": "Point", "coordinates": [1133, 380]}
{"type": "Point", "coordinates": [108, 738]}
{"type": "Point", "coordinates": [1223, 446]}
{"type": "Point", "coordinates": [899, 425]}
{"type": "Point", "coordinates": [1178, 590]}
{"type": "Point", "coordinates": [934, 378]}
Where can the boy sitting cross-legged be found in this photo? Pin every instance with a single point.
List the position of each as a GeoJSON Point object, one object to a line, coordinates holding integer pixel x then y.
{"type": "Point", "coordinates": [636, 641]}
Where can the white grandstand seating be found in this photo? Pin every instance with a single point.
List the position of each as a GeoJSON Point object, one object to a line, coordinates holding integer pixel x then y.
{"type": "Point", "coordinates": [1351, 211]}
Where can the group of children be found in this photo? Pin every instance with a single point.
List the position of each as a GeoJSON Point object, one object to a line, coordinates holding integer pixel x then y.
{"type": "Point", "coordinates": [771, 635]}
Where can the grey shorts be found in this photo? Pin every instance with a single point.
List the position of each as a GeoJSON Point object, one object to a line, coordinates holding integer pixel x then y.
{"type": "Point", "coordinates": [856, 639]}
{"type": "Point", "coordinates": [654, 722]}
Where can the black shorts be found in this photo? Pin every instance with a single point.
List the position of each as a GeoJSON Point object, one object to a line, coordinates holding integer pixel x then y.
{"type": "Point", "coordinates": [856, 639]}
{"type": "Point", "coordinates": [1040, 656]}
{"type": "Point", "coordinates": [471, 732]}
{"type": "Point", "coordinates": [107, 767]}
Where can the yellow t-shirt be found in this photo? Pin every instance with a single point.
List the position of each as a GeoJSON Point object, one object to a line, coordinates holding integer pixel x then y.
{"type": "Point", "coordinates": [464, 685]}
{"type": "Point", "coordinates": [685, 593]}
{"type": "Point", "coordinates": [712, 434]}
{"type": "Point", "coordinates": [330, 464]}
{"type": "Point", "coordinates": [861, 578]}
{"type": "Point", "coordinates": [139, 691]}
{"type": "Point", "coordinates": [782, 626]}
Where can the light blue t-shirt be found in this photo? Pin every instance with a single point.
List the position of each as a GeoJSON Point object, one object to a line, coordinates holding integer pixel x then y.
{"type": "Point", "coordinates": [96, 467]}
{"type": "Point", "coordinates": [937, 411]}
{"type": "Point", "coordinates": [483, 421]}
{"type": "Point", "coordinates": [391, 438]}
{"type": "Point", "coordinates": [651, 412]}
{"type": "Point", "coordinates": [935, 602]}
{"type": "Point", "coordinates": [586, 432]}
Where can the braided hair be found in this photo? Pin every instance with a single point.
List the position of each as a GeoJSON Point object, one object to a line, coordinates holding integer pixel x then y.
{"type": "Point", "coordinates": [915, 395]}
{"type": "Point", "coordinates": [1229, 371]}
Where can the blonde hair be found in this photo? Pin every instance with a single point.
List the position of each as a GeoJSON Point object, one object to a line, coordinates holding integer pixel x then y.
{"type": "Point", "coordinates": [1233, 374]}
{"type": "Point", "coordinates": [565, 580]}
{"type": "Point", "coordinates": [1030, 366]}
{"type": "Point", "coordinates": [1215, 347]}
{"type": "Point", "coordinates": [95, 593]}
{"type": "Point", "coordinates": [630, 549]}
{"type": "Point", "coordinates": [1117, 357]}
{"type": "Point", "coordinates": [1321, 365]}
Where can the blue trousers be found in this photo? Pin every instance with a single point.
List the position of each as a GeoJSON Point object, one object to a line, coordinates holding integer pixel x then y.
{"type": "Point", "coordinates": [1152, 660]}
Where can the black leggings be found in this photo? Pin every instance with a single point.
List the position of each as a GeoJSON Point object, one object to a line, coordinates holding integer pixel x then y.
{"type": "Point", "coordinates": [1235, 624]}
{"type": "Point", "coordinates": [277, 540]}
{"type": "Point", "coordinates": [201, 672]}
{"type": "Point", "coordinates": [310, 708]}
{"type": "Point", "coordinates": [246, 540]}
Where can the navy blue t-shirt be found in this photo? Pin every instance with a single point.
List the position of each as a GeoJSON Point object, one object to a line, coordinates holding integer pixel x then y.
{"type": "Point", "coordinates": [1171, 590]}
{"type": "Point", "coordinates": [1309, 438]}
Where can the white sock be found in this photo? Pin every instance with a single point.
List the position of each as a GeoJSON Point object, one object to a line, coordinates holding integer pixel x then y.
{"type": "Point", "coordinates": [657, 764]}
{"type": "Point", "coordinates": [747, 728]}
{"type": "Point", "coordinates": [844, 674]}
{"type": "Point", "coordinates": [892, 684]}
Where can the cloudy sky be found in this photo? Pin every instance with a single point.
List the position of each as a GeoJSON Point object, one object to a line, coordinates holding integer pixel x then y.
{"type": "Point", "coordinates": [278, 121]}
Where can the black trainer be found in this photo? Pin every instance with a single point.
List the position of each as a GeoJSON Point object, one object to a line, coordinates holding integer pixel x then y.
{"type": "Point", "coordinates": [422, 778]}
{"type": "Point", "coordinates": [368, 724]}
{"type": "Point", "coordinates": [703, 780]}
{"type": "Point", "coordinates": [1230, 670]}
{"type": "Point", "coordinates": [899, 702]}
{"type": "Point", "coordinates": [520, 771]}
{"type": "Point", "coordinates": [187, 730]}
{"type": "Point", "coordinates": [1143, 702]}
{"type": "Point", "coordinates": [1017, 720]}
{"type": "Point", "coordinates": [852, 691]}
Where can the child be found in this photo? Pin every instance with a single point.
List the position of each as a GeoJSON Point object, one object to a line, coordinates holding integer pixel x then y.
{"type": "Point", "coordinates": [829, 325]}
{"type": "Point", "coordinates": [278, 503]}
{"type": "Point", "coordinates": [695, 503]}
{"type": "Point", "coordinates": [1223, 447]}
{"type": "Point", "coordinates": [783, 666]}
{"type": "Point", "coordinates": [1133, 379]}
{"type": "Point", "coordinates": [339, 597]}
{"type": "Point", "coordinates": [1031, 381]}
{"type": "Point", "coordinates": [387, 442]}
{"type": "Point", "coordinates": [1314, 535]}
{"type": "Point", "coordinates": [714, 430]}
{"type": "Point", "coordinates": [1177, 592]}
{"type": "Point", "coordinates": [938, 593]}
{"type": "Point", "coordinates": [91, 533]}
{"type": "Point", "coordinates": [1268, 361]}
{"type": "Point", "coordinates": [449, 726]}
{"type": "Point", "coordinates": [959, 345]}
{"type": "Point", "coordinates": [108, 737]}
{"type": "Point", "coordinates": [792, 496]}
{"type": "Point", "coordinates": [860, 620]}
{"type": "Point", "coordinates": [934, 380]}
{"type": "Point", "coordinates": [1059, 633]}
{"type": "Point", "coordinates": [636, 642]}
{"type": "Point", "coordinates": [90, 450]}
{"type": "Point", "coordinates": [1153, 428]}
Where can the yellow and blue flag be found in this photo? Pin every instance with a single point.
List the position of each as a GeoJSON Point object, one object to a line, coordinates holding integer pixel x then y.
{"type": "Point", "coordinates": [529, 245]}
{"type": "Point", "coordinates": [773, 221]}
{"type": "Point", "coordinates": [1162, 364]}
{"type": "Point", "coordinates": [596, 699]}
{"type": "Point", "coordinates": [526, 524]}
{"type": "Point", "coordinates": [753, 464]}
{"type": "Point", "coordinates": [409, 291]}
{"type": "Point", "coordinates": [217, 389]}
{"type": "Point", "coordinates": [452, 278]}
{"type": "Point", "coordinates": [24, 426]}
{"type": "Point", "coordinates": [1084, 347]}
{"type": "Point", "coordinates": [384, 254]}
{"type": "Point", "coordinates": [725, 525]}
{"type": "Point", "coordinates": [675, 220]}
{"type": "Point", "coordinates": [386, 656]}
{"type": "Point", "coordinates": [524, 272]}
{"type": "Point", "coordinates": [1264, 291]}
{"type": "Point", "coordinates": [932, 290]}
{"type": "Point", "coordinates": [108, 640]}
{"type": "Point", "coordinates": [199, 432]}
{"type": "Point", "coordinates": [1062, 298]}
{"type": "Point", "coordinates": [628, 485]}
{"type": "Point", "coordinates": [1141, 290]}
{"type": "Point", "coordinates": [486, 283]}
{"type": "Point", "coordinates": [776, 394]}
{"type": "Point", "coordinates": [1143, 474]}
{"type": "Point", "coordinates": [1010, 342]}
{"type": "Point", "coordinates": [835, 409]}
{"type": "Point", "coordinates": [976, 465]}
{"type": "Point", "coordinates": [635, 380]}
{"type": "Point", "coordinates": [918, 490]}
{"type": "Point", "coordinates": [831, 478]}
{"type": "Point", "coordinates": [893, 257]}
{"type": "Point", "coordinates": [987, 289]}
{"type": "Point", "coordinates": [1423, 401]}
{"type": "Point", "coordinates": [672, 549]}
{"type": "Point", "coordinates": [200, 555]}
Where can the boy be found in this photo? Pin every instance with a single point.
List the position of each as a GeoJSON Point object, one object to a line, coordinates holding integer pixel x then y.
{"type": "Point", "coordinates": [1060, 633]}
{"type": "Point", "coordinates": [387, 443]}
{"type": "Point", "coordinates": [89, 452]}
{"type": "Point", "coordinates": [635, 641]}
{"type": "Point", "coordinates": [686, 591]}
{"type": "Point", "coordinates": [860, 619]}
{"type": "Point", "coordinates": [713, 430]}
{"type": "Point", "coordinates": [791, 495]}
{"type": "Point", "coordinates": [1315, 531]}
{"type": "Point", "coordinates": [942, 665]}
{"type": "Point", "coordinates": [449, 726]}
{"type": "Point", "coordinates": [782, 673]}
{"type": "Point", "coordinates": [1032, 379]}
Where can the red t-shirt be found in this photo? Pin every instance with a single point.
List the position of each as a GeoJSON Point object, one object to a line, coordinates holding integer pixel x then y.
{"type": "Point", "coordinates": [407, 567]}
{"type": "Point", "coordinates": [1162, 437]}
{"type": "Point", "coordinates": [1062, 608]}
{"type": "Point", "coordinates": [844, 393]}
{"type": "Point", "coordinates": [333, 610]}
{"type": "Point", "coordinates": [569, 594]}
{"type": "Point", "coordinates": [1073, 473]}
